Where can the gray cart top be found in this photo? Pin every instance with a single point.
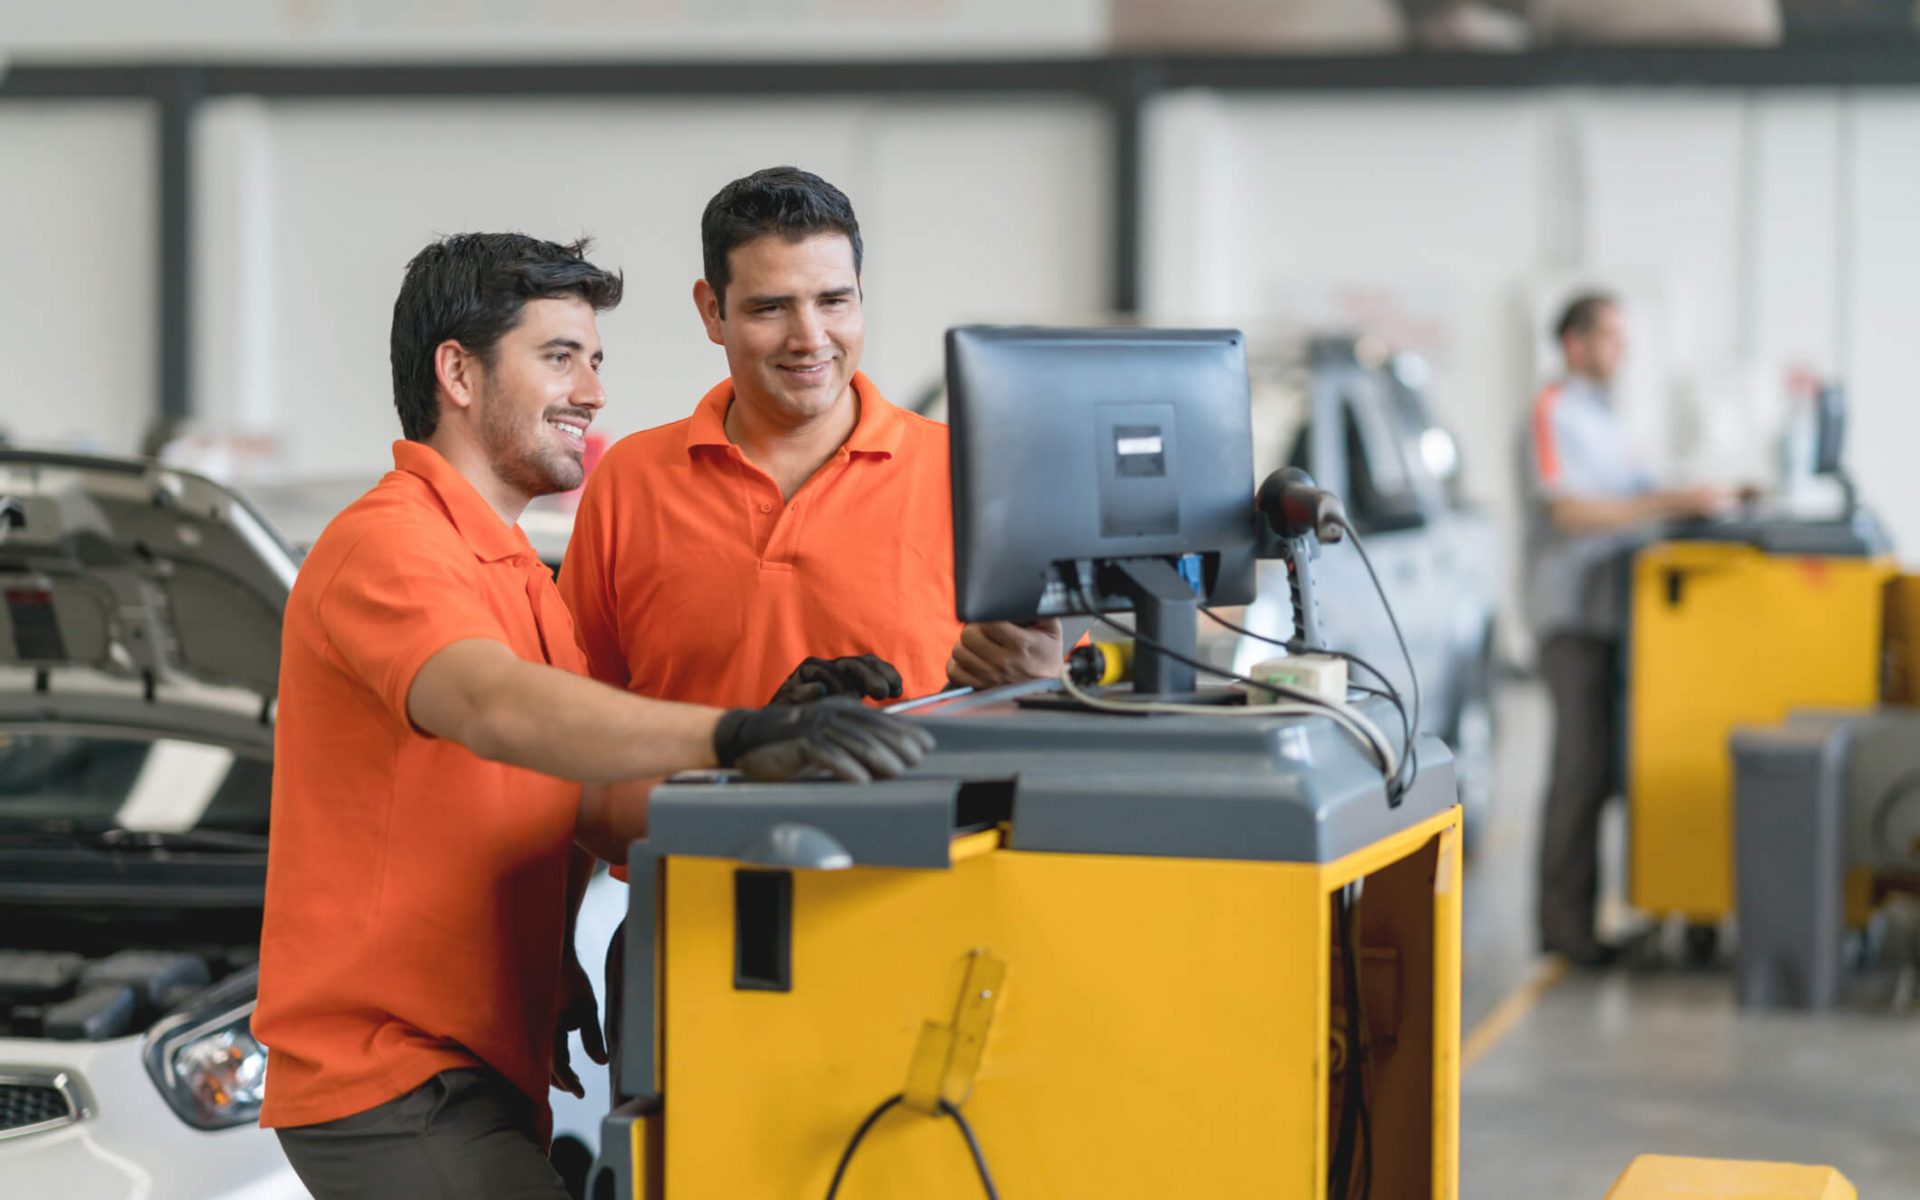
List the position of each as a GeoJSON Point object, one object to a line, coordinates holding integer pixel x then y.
{"type": "Point", "coordinates": [1267, 789]}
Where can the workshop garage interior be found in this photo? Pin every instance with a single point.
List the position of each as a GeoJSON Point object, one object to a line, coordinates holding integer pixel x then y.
{"type": "Point", "coordinates": [1352, 634]}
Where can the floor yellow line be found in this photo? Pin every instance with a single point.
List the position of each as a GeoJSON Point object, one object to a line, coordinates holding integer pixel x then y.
{"type": "Point", "coordinates": [1506, 1014]}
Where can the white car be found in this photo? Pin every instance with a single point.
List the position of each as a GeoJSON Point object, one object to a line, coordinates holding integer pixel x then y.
{"type": "Point", "coordinates": [139, 661]}
{"type": "Point", "coordinates": [1360, 423]}
{"type": "Point", "coordinates": [139, 645]}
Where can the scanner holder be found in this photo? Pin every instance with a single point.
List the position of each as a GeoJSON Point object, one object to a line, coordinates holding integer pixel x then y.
{"type": "Point", "coordinates": [1296, 518]}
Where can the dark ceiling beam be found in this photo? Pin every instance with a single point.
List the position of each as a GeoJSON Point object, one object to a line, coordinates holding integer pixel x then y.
{"type": "Point", "coordinates": [1834, 63]}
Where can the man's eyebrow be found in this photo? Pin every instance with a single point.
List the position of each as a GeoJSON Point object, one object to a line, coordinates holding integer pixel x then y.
{"type": "Point", "coordinates": [838, 293]}
{"type": "Point", "coordinates": [573, 344]}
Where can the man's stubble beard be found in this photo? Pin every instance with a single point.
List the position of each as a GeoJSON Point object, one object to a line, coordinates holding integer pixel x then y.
{"type": "Point", "coordinates": [524, 461]}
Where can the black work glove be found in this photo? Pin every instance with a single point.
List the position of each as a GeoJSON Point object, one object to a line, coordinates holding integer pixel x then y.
{"type": "Point", "coordinates": [860, 675]}
{"type": "Point", "coordinates": [839, 737]}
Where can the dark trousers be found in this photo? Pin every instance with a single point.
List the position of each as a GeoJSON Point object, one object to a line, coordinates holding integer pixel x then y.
{"type": "Point", "coordinates": [466, 1133]}
{"type": "Point", "coordinates": [1581, 678]}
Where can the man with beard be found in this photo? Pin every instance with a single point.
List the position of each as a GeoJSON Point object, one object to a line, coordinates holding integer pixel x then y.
{"type": "Point", "coordinates": [435, 726]}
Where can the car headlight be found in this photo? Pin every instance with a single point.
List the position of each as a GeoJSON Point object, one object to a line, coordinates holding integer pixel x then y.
{"type": "Point", "coordinates": [204, 1059]}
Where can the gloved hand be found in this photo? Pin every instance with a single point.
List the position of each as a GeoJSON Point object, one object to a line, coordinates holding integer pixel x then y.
{"type": "Point", "coordinates": [860, 675]}
{"type": "Point", "coordinates": [838, 736]}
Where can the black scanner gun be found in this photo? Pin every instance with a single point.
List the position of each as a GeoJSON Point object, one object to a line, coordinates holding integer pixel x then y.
{"type": "Point", "coordinates": [1296, 517]}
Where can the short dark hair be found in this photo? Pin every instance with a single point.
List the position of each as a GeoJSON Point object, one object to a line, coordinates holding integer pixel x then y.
{"type": "Point", "coordinates": [1582, 313]}
{"type": "Point", "coordinates": [470, 288]}
{"type": "Point", "coordinates": [784, 201]}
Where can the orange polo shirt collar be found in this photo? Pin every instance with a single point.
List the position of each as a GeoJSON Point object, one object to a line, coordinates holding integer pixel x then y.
{"type": "Point", "coordinates": [878, 430]}
{"type": "Point", "coordinates": [491, 539]}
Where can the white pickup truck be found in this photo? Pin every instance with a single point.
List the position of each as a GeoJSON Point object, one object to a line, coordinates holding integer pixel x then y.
{"type": "Point", "coordinates": [1360, 424]}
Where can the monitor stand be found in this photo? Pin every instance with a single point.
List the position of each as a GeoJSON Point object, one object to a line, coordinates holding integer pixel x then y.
{"type": "Point", "coordinates": [1166, 612]}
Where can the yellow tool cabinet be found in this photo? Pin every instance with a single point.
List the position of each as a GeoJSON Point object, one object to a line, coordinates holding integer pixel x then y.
{"type": "Point", "coordinates": [1724, 634]}
{"type": "Point", "coordinates": [1161, 1022]}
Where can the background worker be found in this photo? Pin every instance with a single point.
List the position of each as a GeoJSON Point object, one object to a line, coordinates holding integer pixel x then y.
{"type": "Point", "coordinates": [416, 970]}
{"type": "Point", "coordinates": [1589, 502]}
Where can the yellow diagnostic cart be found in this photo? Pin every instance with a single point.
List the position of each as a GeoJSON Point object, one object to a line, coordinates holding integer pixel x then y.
{"type": "Point", "coordinates": [1732, 630]}
{"type": "Point", "coordinates": [1107, 950]}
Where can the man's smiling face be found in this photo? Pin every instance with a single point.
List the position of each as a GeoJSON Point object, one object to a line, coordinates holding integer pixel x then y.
{"type": "Point", "coordinates": [540, 389]}
{"type": "Point", "coordinates": [791, 323]}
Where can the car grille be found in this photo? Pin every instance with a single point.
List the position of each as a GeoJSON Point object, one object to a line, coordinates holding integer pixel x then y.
{"type": "Point", "coordinates": [31, 1103]}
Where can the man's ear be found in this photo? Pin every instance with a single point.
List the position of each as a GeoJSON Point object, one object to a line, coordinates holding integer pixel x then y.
{"type": "Point", "coordinates": [707, 302]}
{"type": "Point", "coordinates": [457, 372]}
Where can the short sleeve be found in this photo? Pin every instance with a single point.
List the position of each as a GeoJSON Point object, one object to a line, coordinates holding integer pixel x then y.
{"type": "Point", "coordinates": [1560, 462]}
{"type": "Point", "coordinates": [395, 602]}
{"type": "Point", "coordinates": [586, 583]}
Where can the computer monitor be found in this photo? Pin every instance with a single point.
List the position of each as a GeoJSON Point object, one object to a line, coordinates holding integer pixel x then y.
{"type": "Point", "coordinates": [1103, 470]}
{"type": "Point", "coordinates": [1830, 428]}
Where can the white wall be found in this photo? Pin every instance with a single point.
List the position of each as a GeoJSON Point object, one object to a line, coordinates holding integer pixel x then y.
{"type": "Point", "coordinates": [77, 259]}
{"type": "Point", "coordinates": [1881, 346]}
{"type": "Point", "coordinates": [1773, 229]}
{"type": "Point", "coordinates": [1419, 217]}
{"type": "Point", "coordinates": [1760, 232]}
{"type": "Point", "coordinates": [991, 210]}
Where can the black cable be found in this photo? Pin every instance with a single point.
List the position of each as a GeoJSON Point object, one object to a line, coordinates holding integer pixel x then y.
{"type": "Point", "coordinates": [1086, 602]}
{"type": "Point", "coordinates": [853, 1143]}
{"type": "Point", "coordinates": [946, 1109]}
{"type": "Point", "coordinates": [1354, 1097]}
{"type": "Point", "coordinates": [1395, 787]}
{"type": "Point", "coordinates": [1409, 765]}
{"type": "Point", "coordinates": [1386, 605]}
{"type": "Point", "coordinates": [1291, 695]}
{"type": "Point", "coordinates": [1340, 1173]}
{"type": "Point", "coordinates": [1409, 753]}
{"type": "Point", "coordinates": [1413, 675]}
{"type": "Point", "coordinates": [973, 1146]}
{"type": "Point", "coordinates": [1410, 745]}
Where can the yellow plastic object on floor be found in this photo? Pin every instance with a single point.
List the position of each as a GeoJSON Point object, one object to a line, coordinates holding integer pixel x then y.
{"type": "Point", "coordinates": [1164, 1026]}
{"type": "Point", "coordinates": [1658, 1177]}
{"type": "Point", "coordinates": [1724, 635]}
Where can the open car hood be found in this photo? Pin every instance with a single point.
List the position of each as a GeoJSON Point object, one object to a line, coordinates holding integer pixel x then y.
{"type": "Point", "coordinates": [135, 571]}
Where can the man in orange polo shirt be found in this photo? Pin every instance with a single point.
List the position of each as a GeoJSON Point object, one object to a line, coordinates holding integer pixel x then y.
{"type": "Point", "coordinates": [415, 963]}
{"type": "Point", "coordinates": [796, 513]}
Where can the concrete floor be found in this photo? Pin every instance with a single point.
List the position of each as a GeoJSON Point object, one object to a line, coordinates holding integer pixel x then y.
{"type": "Point", "coordinates": [1570, 1076]}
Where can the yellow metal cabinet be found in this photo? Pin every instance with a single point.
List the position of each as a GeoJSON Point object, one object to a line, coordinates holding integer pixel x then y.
{"type": "Point", "coordinates": [1165, 1026]}
{"type": "Point", "coordinates": [1164, 1022]}
{"type": "Point", "coordinates": [1724, 635]}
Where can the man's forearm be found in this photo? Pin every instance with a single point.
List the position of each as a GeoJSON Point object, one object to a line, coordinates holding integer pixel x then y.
{"type": "Point", "coordinates": [479, 694]}
{"type": "Point", "coordinates": [612, 816]}
{"type": "Point", "coordinates": [1581, 516]}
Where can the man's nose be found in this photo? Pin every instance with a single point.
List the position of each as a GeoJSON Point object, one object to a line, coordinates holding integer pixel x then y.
{"type": "Point", "coordinates": [591, 393]}
{"type": "Point", "coordinates": [808, 332]}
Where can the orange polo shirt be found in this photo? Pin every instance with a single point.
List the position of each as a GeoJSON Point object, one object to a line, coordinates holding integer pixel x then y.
{"type": "Point", "coordinates": [691, 579]}
{"type": "Point", "coordinates": [415, 912]}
